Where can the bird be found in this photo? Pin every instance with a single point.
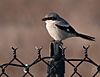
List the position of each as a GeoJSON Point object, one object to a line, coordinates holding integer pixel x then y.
{"type": "Point", "coordinates": [59, 29]}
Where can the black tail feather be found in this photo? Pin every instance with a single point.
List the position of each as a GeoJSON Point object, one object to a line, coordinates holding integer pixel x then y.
{"type": "Point", "coordinates": [86, 37]}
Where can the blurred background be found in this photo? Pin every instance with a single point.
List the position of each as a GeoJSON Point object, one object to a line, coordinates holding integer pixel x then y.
{"type": "Point", "coordinates": [21, 26]}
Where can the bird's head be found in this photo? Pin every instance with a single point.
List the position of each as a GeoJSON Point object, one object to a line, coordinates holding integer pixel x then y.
{"type": "Point", "coordinates": [51, 17]}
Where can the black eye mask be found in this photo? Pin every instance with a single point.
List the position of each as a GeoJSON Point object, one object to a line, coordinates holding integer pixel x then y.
{"type": "Point", "coordinates": [49, 18]}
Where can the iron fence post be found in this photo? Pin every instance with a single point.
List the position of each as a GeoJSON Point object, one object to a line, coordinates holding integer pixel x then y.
{"type": "Point", "coordinates": [57, 63]}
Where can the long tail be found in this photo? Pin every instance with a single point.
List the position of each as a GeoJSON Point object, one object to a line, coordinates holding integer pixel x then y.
{"type": "Point", "coordinates": [86, 37]}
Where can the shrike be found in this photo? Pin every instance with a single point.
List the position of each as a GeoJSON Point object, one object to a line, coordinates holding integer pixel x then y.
{"type": "Point", "coordinates": [59, 29]}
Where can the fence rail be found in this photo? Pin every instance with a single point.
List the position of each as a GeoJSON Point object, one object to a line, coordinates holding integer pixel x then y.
{"type": "Point", "coordinates": [56, 62]}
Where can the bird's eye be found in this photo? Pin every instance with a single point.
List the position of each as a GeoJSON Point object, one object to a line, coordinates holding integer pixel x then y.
{"type": "Point", "coordinates": [53, 18]}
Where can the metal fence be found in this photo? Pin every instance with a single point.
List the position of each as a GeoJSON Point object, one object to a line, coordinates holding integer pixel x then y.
{"type": "Point", "coordinates": [56, 62]}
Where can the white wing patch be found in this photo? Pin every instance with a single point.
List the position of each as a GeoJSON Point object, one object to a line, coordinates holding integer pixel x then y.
{"type": "Point", "coordinates": [68, 30]}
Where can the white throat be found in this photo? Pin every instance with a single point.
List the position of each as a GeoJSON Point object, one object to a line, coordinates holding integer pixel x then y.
{"type": "Point", "coordinates": [50, 22]}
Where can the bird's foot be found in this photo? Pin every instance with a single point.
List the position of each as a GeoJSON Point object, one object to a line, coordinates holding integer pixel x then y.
{"type": "Point", "coordinates": [58, 42]}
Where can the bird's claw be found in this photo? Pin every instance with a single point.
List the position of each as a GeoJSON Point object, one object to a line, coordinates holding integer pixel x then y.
{"type": "Point", "coordinates": [58, 42]}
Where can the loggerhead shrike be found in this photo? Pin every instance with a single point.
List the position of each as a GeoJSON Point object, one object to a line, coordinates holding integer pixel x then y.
{"type": "Point", "coordinates": [59, 29]}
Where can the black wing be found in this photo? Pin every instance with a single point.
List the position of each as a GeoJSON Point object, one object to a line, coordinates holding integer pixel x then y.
{"type": "Point", "coordinates": [68, 29]}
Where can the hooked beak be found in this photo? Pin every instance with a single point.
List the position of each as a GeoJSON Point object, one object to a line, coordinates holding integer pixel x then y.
{"type": "Point", "coordinates": [44, 19]}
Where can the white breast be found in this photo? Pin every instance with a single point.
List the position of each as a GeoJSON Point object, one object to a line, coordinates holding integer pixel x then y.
{"type": "Point", "coordinates": [54, 32]}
